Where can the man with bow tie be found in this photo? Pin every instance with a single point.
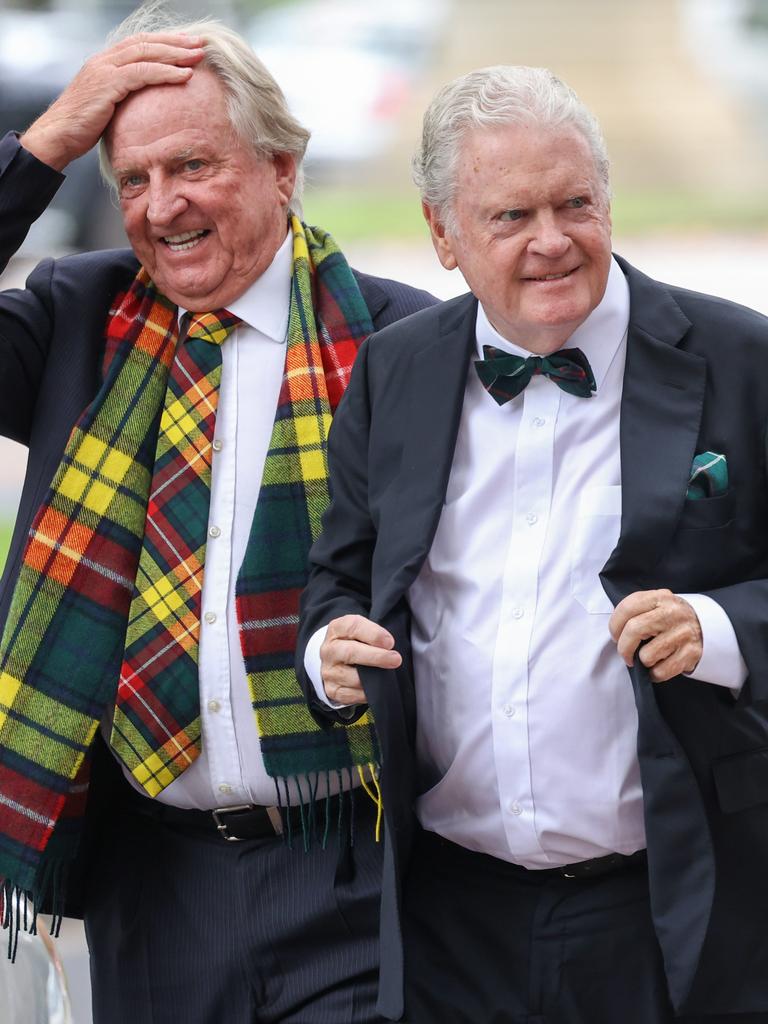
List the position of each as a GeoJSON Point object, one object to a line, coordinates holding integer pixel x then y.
{"type": "Point", "coordinates": [544, 572]}
{"type": "Point", "coordinates": [176, 399]}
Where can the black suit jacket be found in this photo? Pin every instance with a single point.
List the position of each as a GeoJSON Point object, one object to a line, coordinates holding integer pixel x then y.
{"type": "Point", "coordinates": [696, 379]}
{"type": "Point", "coordinates": [51, 346]}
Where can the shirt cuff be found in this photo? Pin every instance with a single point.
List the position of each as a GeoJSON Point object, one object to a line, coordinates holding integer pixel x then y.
{"type": "Point", "coordinates": [721, 662]}
{"type": "Point", "coordinates": [312, 667]}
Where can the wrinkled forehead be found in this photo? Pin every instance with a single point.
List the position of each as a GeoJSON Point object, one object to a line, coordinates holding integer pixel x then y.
{"type": "Point", "coordinates": [155, 112]}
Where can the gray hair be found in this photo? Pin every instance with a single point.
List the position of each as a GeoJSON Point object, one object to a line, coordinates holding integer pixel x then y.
{"type": "Point", "coordinates": [487, 98]}
{"type": "Point", "coordinates": [257, 108]}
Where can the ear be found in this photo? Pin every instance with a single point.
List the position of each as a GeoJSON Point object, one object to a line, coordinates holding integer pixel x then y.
{"type": "Point", "coordinates": [440, 239]}
{"type": "Point", "coordinates": [285, 175]}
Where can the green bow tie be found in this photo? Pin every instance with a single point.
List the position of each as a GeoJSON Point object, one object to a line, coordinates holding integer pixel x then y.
{"type": "Point", "coordinates": [504, 375]}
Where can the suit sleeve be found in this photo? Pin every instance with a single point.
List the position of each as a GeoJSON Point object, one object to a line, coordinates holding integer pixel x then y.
{"type": "Point", "coordinates": [340, 560]}
{"type": "Point", "coordinates": [26, 188]}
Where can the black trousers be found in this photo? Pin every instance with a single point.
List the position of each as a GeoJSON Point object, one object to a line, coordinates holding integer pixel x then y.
{"type": "Point", "coordinates": [183, 926]}
{"type": "Point", "coordinates": [487, 942]}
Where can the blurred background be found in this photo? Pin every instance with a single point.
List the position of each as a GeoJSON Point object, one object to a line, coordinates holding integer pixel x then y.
{"type": "Point", "coordinates": [679, 86]}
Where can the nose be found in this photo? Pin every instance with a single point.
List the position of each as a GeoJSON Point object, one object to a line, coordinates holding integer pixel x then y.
{"type": "Point", "coordinates": [549, 238]}
{"type": "Point", "coordinates": [164, 202]}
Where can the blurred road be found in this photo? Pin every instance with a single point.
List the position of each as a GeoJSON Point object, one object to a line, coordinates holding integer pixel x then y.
{"type": "Point", "coordinates": [734, 267]}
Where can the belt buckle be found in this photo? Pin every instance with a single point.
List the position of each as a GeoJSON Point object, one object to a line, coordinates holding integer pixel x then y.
{"type": "Point", "coordinates": [273, 813]}
{"type": "Point", "coordinates": [222, 827]}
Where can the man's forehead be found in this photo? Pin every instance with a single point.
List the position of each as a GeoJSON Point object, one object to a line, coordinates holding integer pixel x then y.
{"type": "Point", "coordinates": [531, 156]}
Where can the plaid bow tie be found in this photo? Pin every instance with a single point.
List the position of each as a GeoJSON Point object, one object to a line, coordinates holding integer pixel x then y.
{"type": "Point", "coordinates": [158, 695]}
{"type": "Point", "coordinates": [504, 375]}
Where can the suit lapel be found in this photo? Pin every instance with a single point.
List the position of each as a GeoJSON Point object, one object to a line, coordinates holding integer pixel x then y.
{"type": "Point", "coordinates": [436, 383]}
{"type": "Point", "coordinates": [661, 408]}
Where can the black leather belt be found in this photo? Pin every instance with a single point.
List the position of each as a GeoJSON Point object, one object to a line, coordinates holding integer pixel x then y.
{"type": "Point", "coordinates": [235, 823]}
{"type": "Point", "coordinates": [429, 845]}
{"type": "Point", "coordinates": [600, 865]}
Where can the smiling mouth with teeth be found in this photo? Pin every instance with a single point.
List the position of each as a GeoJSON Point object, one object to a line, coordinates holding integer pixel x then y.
{"type": "Point", "coordinates": [186, 240]}
{"type": "Point", "coordinates": [552, 277]}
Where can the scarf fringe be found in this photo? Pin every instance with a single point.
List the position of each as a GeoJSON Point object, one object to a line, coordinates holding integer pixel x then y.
{"type": "Point", "coordinates": [316, 815]}
{"type": "Point", "coordinates": [19, 908]}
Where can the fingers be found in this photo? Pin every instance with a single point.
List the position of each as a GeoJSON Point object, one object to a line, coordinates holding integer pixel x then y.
{"type": "Point", "coordinates": [661, 629]}
{"type": "Point", "coordinates": [74, 123]}
{"type": "Point", "coordinates": [350, 641]}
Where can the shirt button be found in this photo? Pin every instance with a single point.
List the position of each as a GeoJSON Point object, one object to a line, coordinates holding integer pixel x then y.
{"type": "Point", "coordinates": [225, 788]}
{"type": "Point", "coordinates": [515, 808]}
{"type": "Point", "coordinates": [531, 518]}
{"type": "Point", "coordinates": [517, 613]}
{"type": "Point", "coordinates": [218, 445]}
{"type": "Point", "coordinates": [213, 705]}
{"type": "Point", "coordinates": [538, 421]}
{"type": "Point", "coordinates": [509, 711]}
{"type": "Point", "coordinates": [215, 531]}
{"type": "Point", "coordinates": [210, 618]}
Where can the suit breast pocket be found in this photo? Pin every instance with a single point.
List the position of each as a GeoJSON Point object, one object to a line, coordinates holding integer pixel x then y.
{"type": "Point", "coordinates": [594, 536]}
{"type": "Point", "coordinates": [708, 513]}
{"type": "Point", "coordinates": [741, 780]}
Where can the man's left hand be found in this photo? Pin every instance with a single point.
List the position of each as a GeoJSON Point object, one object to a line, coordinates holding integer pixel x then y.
{"type": "Point", "coordinates": [665, 625]}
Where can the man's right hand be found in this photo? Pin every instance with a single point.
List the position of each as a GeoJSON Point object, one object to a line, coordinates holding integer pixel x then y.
{"type": "Point", "coordinates": [75, 122]}
{"type": "Point", "coordinates": [349, 641]}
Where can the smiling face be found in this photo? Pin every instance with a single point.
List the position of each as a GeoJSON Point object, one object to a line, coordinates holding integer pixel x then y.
{"type": "Point", "coordinates": [531, 231]}
{"type": "Point", "coordinates": [203, 212]}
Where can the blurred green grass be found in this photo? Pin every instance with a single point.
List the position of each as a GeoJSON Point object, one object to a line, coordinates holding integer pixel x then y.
{"type": "Point", "coordinates": [360, 214]}
{"type": "Point", "coordinates": [6, 528]}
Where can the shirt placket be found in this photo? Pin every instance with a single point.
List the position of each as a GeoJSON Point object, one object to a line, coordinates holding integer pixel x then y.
{"type": "Point", "coordinates": [533, 479]}
{"type": "Point", "coordinates": [218, 729]}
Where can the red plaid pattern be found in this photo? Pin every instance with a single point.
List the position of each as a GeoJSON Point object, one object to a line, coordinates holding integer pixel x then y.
{"type": "Point", "coordinates": [156, 727]}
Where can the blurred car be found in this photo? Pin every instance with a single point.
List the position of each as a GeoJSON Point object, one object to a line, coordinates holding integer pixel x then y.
{"type": "Point", "coordinates": [33, 990]}
{"type": "Point", "coordinates": [41, 50]}
{"type": "Point", "coordinates": [348, 68]}
{"type": "Point", "coordinates": [40, 53]}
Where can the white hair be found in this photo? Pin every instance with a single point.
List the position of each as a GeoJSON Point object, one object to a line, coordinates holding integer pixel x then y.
{"type": "Point", "coordinates": [257, 108]}
{"type": "Point", "coordinates": [487, 98]}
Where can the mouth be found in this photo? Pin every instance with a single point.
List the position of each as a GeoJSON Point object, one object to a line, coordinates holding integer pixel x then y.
{"type": "Point", "coordinates": [185, 240]}
{"type": "Point", "coordinates": [552, 277]}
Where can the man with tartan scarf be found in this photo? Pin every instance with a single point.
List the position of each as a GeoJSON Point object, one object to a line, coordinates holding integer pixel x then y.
{"type": "Point", "coordinates": [159, 772]}
{"type": "Point", "coordinates": [544, 569]}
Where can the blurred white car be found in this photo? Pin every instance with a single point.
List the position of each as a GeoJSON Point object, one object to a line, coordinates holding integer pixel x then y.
{"type": "Point", "coordinates": [348, 67]}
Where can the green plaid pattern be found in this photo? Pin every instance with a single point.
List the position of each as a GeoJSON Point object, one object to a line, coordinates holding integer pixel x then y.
{"type": "Point", "coordinates": [709, 476]}
{"type": "Point", "coordinates": [505, 375]}
{"type": "Point", "coordinates": [63, 640]}
{"type": "Point", "coordinates": [65, 637]}
{"type": "Point", "coordinates": [328, 320]}
{"type": "Point", "coordinates": [156, 727]}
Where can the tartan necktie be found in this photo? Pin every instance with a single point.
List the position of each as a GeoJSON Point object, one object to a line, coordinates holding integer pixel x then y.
{"type": "Point", "coordinates": [158, 697]}
{"type": "Point", "coordinates": [504, 375]}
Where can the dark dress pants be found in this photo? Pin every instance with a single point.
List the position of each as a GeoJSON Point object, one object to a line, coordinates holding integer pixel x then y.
{"type": "Point", "coordinates": [488, 942]}
{"type": "Point", "coordinates": [184, 926]}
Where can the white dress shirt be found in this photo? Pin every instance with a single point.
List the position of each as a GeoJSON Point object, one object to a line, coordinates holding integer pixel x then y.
{"type": "Point", "coordinates": [526, 721]}
{"type": "Point", "coordinates": [230, 769]}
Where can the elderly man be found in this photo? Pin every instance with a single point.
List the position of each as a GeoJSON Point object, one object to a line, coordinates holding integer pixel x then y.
{"type": "Point", "coordinates": [149, 460]}
{"type": "Point", "coordinates": [544, 567]}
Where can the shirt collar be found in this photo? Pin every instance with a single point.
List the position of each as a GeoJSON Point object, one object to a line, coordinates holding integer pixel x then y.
{"type": "Point", "coordinates": [265, 305]}
{"type": "Point", "coordinates": [598, 337]}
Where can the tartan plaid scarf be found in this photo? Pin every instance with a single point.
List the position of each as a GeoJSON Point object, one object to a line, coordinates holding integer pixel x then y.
{"type": "Point", "coordinates": [64, 638]}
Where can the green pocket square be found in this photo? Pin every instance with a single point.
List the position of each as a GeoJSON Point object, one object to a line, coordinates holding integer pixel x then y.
{"type": "Point", "coordinates": [709, 476]}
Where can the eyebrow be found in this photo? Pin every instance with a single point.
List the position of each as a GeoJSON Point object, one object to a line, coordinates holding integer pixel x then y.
{"type": "Point", "coordinates": [177, 158]}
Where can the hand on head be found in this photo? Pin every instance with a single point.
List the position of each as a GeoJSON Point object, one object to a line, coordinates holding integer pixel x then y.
{"type": "Point", "coordinates": [74, 123]}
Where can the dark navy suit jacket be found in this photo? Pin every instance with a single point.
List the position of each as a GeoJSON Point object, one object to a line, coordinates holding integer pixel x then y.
{"type": "Point", "coordinates": [696, 380]}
